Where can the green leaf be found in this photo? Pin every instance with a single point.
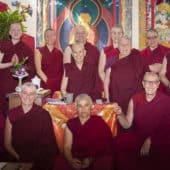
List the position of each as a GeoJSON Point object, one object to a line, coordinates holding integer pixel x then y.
{"type": "Point", "coordinates": [6, 18]}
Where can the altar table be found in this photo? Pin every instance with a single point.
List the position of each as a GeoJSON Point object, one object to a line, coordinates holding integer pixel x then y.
{"type": "Point", "coordinates": [61, 113]}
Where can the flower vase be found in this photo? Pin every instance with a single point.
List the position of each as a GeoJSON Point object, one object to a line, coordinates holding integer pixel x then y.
{"type": "Point", "coordinates": [20, 77]}
{"type": "Point", "coordinates": [18, 88]}
{"type": "Point", "coordinates": [20, 81]}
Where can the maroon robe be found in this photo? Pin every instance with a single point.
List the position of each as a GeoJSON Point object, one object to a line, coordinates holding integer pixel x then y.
{"type": "Point", "coordinates": [33, 136]}
{"type": "Point", "coordinates": [151, 119]}
{"type": "Point", "coordinates": [85, 80]}
{"type": "Point", "coordinates": [52, 66]}
{"type": "Point", "coordinates": [91, 140]}
{"type": "Point", "coordinates": [156, 56]}
{"type": "Point", "coordinates": [92, 54]}
{"type": "Point", "coordinates": [87, 142]}
{"type": "Point", "coordinates": [112, 55]}
{"type": "Point", "coordinates": [8, 82]}
{"type": "Point", "coordinates": [166, 89]}
{"type": "Point", "coordinates": [3, 7]}
{"type": "Point", "coordinates": [2, 126]}
{"type": "Point", "coordinates": [126, 79]}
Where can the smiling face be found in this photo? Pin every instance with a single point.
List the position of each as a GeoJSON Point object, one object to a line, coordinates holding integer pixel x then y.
{"type": "Point", "coordinates": [124, 46]}
{"type": "Point", "coordinates": [78, 52]}
{"type": "Point", "coordinates": [116, 33]}
{"type": "Point", "coordinates": [50, 37]}
{"type": "Point", "coordinates": [28, 95]}
{"type": "Point", "coordinates": [15, 31]}
{"type": "Point", "coordinates": [150, 83]}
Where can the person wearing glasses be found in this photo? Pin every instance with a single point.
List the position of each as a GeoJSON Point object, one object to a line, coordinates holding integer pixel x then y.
{"type": "Point", "coordinates": [29, 135]}
{"type": "Point", "coordinates": [154, 53]}
{"type": "Point", "coordinates": [147, 144]}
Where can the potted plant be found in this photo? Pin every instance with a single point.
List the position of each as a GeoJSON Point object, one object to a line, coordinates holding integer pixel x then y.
{"type": "Point", "coordinates": [6, 18]}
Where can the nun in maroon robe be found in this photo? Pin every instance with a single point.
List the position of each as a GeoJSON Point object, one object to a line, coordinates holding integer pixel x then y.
{"type": "Point", "coordinates": [150, 57]}
{"type": "Point", "coordinates": [125, 78]}
{"type": "Point", "coordinates": [33, 136]}
{"type": "Point", "coordinates": [89, 143]}
{"type": "Point", "coordinates": [154, 53]}
{"type": "Point", "coordinates": [92, 54]}
{"type": "Point", "coordinates": [8, 82]}
{"type": "Point", "coordinates": [87, 137]}
{"type": "Point", "coordinates": [85, 80]}
{"type": "Point", "coordinates": [150, 119]}
{"type": "Point", "coordinates": [52, 66]}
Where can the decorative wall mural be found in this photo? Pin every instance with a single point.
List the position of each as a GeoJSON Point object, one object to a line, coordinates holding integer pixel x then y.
{"type": "Point", "coordinates": [142, 24]}
{"type": "Point", "coordinates": [98, 16]}
{"type": "Point", "coordinates": [127, 16]}
{"type": "Point", "coordinates": [42, 20]}
{"type": "Point", "coordinates": [162, 22]}
{"type": "Point", "coordinates": [154, 14]}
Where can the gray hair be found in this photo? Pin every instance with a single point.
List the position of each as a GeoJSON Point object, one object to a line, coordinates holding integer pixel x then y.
{"type": "Point", "coordinates": [29, 85]}
{"type": "Point", "coordinates": [83, 96]}
{"type": "Point", "coordinates": [126, 37]}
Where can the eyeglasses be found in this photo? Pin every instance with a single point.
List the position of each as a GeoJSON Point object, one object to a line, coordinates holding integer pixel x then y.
{"type": "Point", "coordinates": [152, 37]}
{"type": "Point", "coordinates": [151, 82]}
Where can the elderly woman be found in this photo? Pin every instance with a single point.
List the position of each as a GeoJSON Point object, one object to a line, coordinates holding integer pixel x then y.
{"type": "Point", "coordinates": [147, 145]}
{"type": "Point", "coordinates": [88, 139]}
{"type": "Point", "coordinates": [49, 62]}
{"type": "Point", "coordinates": [126, 74]}
{"type": "Point", "coordinates": [29, 132]}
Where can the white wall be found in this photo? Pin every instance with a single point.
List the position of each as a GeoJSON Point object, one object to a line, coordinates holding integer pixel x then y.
{"type": "Point", "coordinates": [135, 24]}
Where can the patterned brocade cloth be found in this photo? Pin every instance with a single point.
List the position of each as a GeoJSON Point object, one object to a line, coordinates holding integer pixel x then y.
{"type": "Point", "coordinates": [61, 113]}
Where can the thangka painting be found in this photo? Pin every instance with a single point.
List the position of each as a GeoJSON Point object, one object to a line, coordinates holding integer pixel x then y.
{"type": "Point", "coordinates": [98, 16]}
{"type": "Point", "coordinates": [162, 22]}
{"type": "Point", "coordinates": [126, 16]}
{"type": "Point", "coordinates": [43, 8]}
{"type": "Point", "coordinates": [156, 14]}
